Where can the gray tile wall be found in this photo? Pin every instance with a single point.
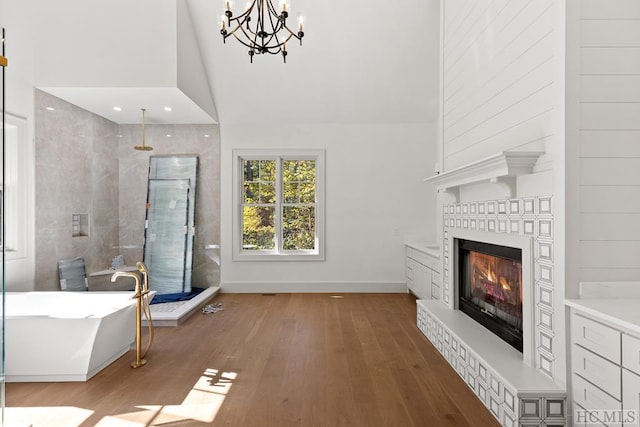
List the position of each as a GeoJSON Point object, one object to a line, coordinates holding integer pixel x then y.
{"type": "Point", "coordinates": [87, 164]}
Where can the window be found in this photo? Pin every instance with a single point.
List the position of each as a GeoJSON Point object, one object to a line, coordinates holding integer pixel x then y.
{"type": "Point", "coordinates": [278, 206]}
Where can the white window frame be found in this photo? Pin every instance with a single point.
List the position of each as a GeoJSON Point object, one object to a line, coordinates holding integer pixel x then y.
{"type": "Point", "coordinates": [15, 187]}
{"type": "Point", "coordinates": [277, 254]}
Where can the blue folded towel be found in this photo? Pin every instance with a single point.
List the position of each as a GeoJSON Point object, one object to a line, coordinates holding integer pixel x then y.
{"type": "Point", "coordinates": [180, 296]}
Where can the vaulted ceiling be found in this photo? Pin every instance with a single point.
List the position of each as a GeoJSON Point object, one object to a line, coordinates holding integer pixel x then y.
{"type": "Point", "coordinates": [362, 61]}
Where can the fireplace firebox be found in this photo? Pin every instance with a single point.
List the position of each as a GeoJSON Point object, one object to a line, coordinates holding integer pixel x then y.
{"type": "Point", "coordinates": [490, 288]}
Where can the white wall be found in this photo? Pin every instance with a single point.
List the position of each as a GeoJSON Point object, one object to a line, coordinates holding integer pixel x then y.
{"type": "Point", "coordinates": [607, 133]}
{"type": "Point", "coordinates": [105, 44]}
{"type": "Point", "coordinates": [373, 187]}
{"type": "Point", "coordinates": [499, 77]}
{"type": "Point", "coordinates": [503, 89]}
{"type": "Point", "coordinates": [19, 101]}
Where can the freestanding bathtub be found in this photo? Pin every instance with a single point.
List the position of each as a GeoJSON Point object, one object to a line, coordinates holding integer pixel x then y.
{"type": "Point", "coordinates": [65, 336]}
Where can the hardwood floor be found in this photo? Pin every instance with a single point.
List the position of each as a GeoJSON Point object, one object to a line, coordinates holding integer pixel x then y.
{"type": "Point", "coordinates": [270, 360]}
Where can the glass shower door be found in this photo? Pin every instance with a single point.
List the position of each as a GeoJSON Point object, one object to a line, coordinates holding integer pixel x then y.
{"type": "Point", "coordinates": [166, 234]}
{"type": "Point", "coordinates": [3, 64]}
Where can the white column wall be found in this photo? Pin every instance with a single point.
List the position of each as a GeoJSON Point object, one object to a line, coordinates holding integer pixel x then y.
{"type": "Point", "coordinates": [503, 89]}
{"type": "Point", "coordinates": [607, 130]}
{"type": "Point", "coordinates": [375, 201]}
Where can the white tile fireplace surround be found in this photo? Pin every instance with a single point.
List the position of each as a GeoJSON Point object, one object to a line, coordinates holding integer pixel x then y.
{"type": "Point", "coordinates": [518, 388]}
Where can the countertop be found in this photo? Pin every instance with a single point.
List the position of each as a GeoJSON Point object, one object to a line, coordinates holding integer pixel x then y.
{"type": "Point", "coordinates": [430, 248]}
{"type": "Point", "coordinates": [624, 313]}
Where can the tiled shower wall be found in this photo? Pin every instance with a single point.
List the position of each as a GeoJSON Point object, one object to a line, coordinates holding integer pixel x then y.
{"type": "Point", "coordinates": [76, 171]}
{"type": "Point", "coordinates": [200, 140]}
{"type": "Point", "coordinates": [529, 216]}
{"type": "Point", "coordinates": [87, 164]}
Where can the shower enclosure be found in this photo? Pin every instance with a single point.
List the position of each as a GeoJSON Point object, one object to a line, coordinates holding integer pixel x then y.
{"type": "Point", "coordinates": [170, 223]}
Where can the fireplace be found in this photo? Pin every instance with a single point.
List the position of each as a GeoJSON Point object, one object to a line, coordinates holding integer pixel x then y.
{"type": "Point", "coordinates": [490, 288]}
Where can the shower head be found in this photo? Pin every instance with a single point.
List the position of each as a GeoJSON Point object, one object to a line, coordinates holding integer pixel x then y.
{"type": "Point", "coordinates": [143, 147]}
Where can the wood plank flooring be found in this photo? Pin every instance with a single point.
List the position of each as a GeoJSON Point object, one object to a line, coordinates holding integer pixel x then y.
{"type": "Point", "coordinates": [270, 360]}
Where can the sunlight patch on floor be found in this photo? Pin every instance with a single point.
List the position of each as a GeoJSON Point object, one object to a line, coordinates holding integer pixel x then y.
{"type": "Point", "coordinates": [67, 416]}
{"type": "Point", "coordinates": [202, 404]}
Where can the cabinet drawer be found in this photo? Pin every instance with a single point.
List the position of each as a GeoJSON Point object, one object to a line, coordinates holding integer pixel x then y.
{"type": "Point", "coordinates": [597, 370]}
{"type": "Point", "coordinates": [630, 397]}
{"type": "Point", "coordinates": [591, 397]}
{"type": "Point", "coordinates": [423, 258]}
{"type": "Point", "coordinates": [410, 269]}
{"type": "Point", "coordinates": [597, 337]}
{"type": "Point", "coordinates": [631, 353]}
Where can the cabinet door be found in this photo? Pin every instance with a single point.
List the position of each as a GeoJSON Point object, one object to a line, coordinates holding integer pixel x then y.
{"type": "Point", "coordinates": [630, 398]}
{"type": "Point", "coordinates": [423, 287]}
{"type": "Point", "coordinates": [411, 275]}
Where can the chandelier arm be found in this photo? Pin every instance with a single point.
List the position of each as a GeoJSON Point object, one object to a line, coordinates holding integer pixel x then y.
{"type": "Point", "coordinates": [280, 43]}
{"type": "Point", "coordinates": [248, 44]}
{"type": "Point", "coordinates": [243, 16]}
{"type": "Point", "coordinates": [246, 32]}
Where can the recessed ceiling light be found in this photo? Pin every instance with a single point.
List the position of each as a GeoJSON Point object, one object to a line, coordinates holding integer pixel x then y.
{"type": "Point", "coordinates": [117, 108]}
{"type": "Point", "coordinates": [167, 108]}
{"type": "Point", "coordinates": [206, 135]}
{"type": "Point", "coordinates": [119, 136]}
{"type": "Point", "coordinates": [168, 135]}
{"type": "Point", "coordinates": [50, 108]}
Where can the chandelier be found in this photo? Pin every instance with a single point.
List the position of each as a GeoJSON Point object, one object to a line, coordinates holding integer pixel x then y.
{"type": "Point", "coordinates": [261, 27]}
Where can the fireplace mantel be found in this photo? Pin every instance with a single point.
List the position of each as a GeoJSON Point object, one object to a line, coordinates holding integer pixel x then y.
{"type": "Point", "coordinates": [501, 169]}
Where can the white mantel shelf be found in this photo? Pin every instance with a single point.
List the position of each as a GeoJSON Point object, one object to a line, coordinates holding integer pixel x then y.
{"type": "Point", "coordinates": [499, 168]}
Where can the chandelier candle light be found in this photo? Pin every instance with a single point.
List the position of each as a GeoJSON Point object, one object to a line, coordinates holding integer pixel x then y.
{"type": "Point", "coordinates": [261, 27]}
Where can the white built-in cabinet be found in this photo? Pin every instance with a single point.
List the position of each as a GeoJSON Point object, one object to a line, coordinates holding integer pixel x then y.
{"type": "Point", "coordinates": [605, 364]}
{"type": "Point", "coordinates": [423, 271]}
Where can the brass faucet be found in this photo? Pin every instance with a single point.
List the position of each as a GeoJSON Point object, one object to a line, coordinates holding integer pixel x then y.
{"type": "Point", "coordinates": [140, 292]}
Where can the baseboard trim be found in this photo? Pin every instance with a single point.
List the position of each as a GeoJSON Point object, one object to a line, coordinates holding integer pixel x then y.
{"type": "Point", "coordinates": [313, 287]}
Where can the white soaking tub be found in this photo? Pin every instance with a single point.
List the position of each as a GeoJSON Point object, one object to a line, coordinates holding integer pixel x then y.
{"type": "Point", "coordinates": [65, 336]}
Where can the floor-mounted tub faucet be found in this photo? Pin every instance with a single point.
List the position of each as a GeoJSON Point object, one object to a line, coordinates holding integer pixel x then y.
{"type": "Point", "coordinates": [141, 294]}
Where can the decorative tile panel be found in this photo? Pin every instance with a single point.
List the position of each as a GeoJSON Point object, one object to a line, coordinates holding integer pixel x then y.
{"type": "Point", "coordinates": [528, 216]}
{"type": "Point", "coordinates": [506, 405]}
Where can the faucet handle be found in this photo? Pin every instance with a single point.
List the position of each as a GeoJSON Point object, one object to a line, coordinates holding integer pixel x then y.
{"type": "Point", "coordinates": [142, 268]}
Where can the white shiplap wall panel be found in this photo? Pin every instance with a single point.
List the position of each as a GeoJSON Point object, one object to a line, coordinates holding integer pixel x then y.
{"type": "Point", "coordinates": [489, 54]}
{"type": "Point", "coordinates": [610, 226]}
{"type": "Point", "coordinates": [609, 136]}
{"type": "Point", "coordinates": [508, 78]}
{"type": "Point", "coordinates": [610, 171]}
{"type": "Point", "coordinates": [609, 88]}
{"type": "Point", "coordinates": [610, 60]}
{"type": "Point", "coordinates": [504, 142]}
{"type": "Point", "coordinates": [496, 106]}
{"type": "Point", "coordinates": [499, 90]}
{"type": "Point", "coordinates": [610, 199]}
{"type": "Point", "coordinates": [610, 254]}
{"type": "Point", "coordinates": [610, 9]}
{"type": "Point", "coordinates": [454, 15]}
{"type": "Point", "coordinates": [610, 116]}
{"type": "Point", "coordinates": [475, 32]}
{"type": "Point", "coordinates": [610, 143]}
{"type": "Point", "coordinates": [474, 28]}
{"type": "Point", "coordinates": [528, 114]}
{"type": "Point", "coordinates": [589, 274]}
{"type": "Point", "coordinates": [607, 33]}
